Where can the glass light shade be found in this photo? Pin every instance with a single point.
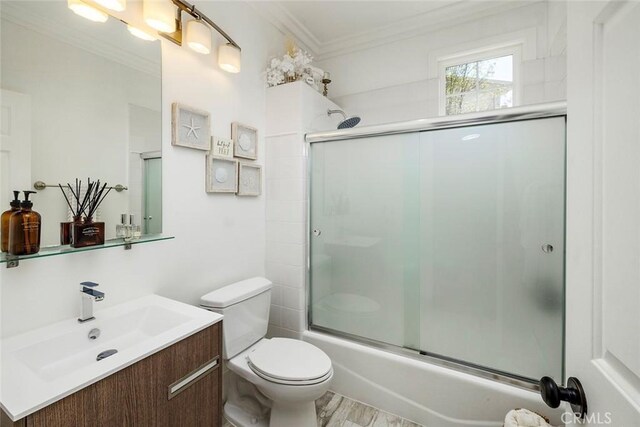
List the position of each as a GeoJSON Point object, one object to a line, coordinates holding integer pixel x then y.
{"type": "Point", "coordinates": [117, 5]}
{"type": "Point", "coordinates": [160, 15]}
{"type": "Point", "coordinates": [199, 36]}
{"type": "Point", "coordinates": [229, 58]}
{"type": "Point", "coordinates": [91, 13]}
{"type": "Point", "coordinates": [140, 34]}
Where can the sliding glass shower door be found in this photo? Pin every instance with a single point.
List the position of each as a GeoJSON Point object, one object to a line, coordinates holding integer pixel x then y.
{"type": "Point", "coordinates": [448, 242]}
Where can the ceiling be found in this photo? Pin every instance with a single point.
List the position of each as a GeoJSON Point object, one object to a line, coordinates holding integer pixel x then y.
{"type": "Point", "coordinates": [332, 20]}
{"type": "Point", "coordinates": [329, 28]}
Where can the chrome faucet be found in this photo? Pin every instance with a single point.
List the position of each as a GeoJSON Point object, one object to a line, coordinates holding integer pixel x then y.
{"type": "Point", "coordinates": [88, 295]}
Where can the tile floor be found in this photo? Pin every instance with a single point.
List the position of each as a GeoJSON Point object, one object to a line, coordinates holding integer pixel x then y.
{"type": "Point", "coordinates": [335, 410]}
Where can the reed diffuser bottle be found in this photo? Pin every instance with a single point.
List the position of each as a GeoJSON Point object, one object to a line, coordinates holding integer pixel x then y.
{"type": "Point", "coordinates": [90, 232]}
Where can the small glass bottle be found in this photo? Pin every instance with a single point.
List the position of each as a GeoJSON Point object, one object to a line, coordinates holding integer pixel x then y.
{"type": "Point", "coordinates": [128, 232]}
{"type": "Point", "coordinates": [121, 229]}
{"type": "Point", "coordinates": [134, 229]}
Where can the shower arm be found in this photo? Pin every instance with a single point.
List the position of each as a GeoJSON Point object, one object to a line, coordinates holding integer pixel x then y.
{"type": "Point", "coordinates": [330, 112]}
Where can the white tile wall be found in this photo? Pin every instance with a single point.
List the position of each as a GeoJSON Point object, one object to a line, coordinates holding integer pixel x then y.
{"type": "Point", "coordinates": [292, 110]}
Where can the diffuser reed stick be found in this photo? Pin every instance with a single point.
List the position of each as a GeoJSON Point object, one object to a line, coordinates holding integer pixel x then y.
{"type": "Point", "coordinates": [88, 203]}
{"type": "Point", "coordinates": [96, 197]}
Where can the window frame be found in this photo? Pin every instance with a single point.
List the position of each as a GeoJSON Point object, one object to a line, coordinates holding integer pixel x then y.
{"type": "Point", "coordinates": [479, 55]}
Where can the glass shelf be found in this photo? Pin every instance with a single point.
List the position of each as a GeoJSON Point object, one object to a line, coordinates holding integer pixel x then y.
{"type": "Point", "coordinates": [13, 260]}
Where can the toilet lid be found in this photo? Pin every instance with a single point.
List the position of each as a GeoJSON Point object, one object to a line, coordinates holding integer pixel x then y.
{"type": "Point", "coordinates": [289, 360]}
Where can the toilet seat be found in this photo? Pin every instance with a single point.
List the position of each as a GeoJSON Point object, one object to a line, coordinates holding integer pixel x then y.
{"type": "Point", "coordinates": [290, 362]}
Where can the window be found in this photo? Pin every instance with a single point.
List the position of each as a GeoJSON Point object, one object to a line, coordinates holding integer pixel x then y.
{"type": "Point", "coordinates": [481, 82]}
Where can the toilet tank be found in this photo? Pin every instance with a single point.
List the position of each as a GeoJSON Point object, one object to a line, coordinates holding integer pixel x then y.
{"type": "Point", "coordinates": [245, 307]}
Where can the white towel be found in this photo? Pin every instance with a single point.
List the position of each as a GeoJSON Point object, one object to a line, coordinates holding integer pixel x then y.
{"type": "Point", "coordinates": [524, 418]}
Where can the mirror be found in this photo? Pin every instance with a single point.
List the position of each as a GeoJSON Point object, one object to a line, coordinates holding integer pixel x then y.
{"type": "Point", "coordinates": [79, 99]}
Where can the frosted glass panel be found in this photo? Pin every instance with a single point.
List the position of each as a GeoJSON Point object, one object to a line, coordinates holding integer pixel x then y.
{"type": "Point", "coordinates": [450, 242]}
{"type": "Point", "coordinates": [491, 209]}
{"type": "Point", "coordinates": [365, 259]}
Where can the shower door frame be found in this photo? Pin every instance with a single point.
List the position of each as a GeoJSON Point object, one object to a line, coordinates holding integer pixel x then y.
{"type": "Point", "coordinates": [515, 114]}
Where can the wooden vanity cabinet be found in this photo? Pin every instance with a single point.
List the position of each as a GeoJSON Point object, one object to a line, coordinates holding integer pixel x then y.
{"type": "Point", "coordinates": [139, 395]}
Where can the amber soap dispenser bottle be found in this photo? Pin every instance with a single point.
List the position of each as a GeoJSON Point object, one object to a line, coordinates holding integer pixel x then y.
{"type": "Point", "coordinates": [6, 215]}
{"type": "Point", "coordinates": [24, 229]}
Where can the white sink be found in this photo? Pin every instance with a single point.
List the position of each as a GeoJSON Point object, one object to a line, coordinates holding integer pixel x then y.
{"type": "Point", "coordinates": [47, 364]}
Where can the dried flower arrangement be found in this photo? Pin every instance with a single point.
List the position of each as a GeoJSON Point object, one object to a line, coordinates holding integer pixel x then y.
{"type": "Point", "coordinates": [294, 65]}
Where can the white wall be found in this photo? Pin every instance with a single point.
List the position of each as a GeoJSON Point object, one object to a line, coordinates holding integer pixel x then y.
{"type": "Point", "coordinates": [398, 81]}
{"type": "Point", "coordinates": [219, 238]}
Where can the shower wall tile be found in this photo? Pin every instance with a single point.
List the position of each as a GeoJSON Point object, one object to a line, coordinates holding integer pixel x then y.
{"type": "Point", "coordinates": [533, 94]}
{"type": "Point", "coordinates": [285, 145]}
{"type": "Point", "coordinates": [293, 297]}
{"type": "Point", "coordinates": [555, 91]}
{"type": "Point", "coordinates": [292, 110]}
{"type": "Point", "coordinates": [533, 71]}
{"type": "Point", "coordinates": [276, 295]}
{"type": "Point", "coordinates": [286, 275]}
{"type": "Point", "coordinates": [286, 210]}
{"type": "Point", "coordinates": [285, 189]}
{"type": "Point", "coordinates": [556, 68]}
{"type": "Point", "coordinates": [293, 319]}
{"type": "Point", "coordinates": [275, 315]}
{"type": "Point", "coordinates": [286, 253]}
{"type": "Point", "coordinates": [287, 232]}
{"type": "Point", "coordinates": [285, 167]}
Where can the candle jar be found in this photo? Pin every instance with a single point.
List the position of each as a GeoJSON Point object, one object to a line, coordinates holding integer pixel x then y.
{"type": "Point", "coordinates": [87, 233]}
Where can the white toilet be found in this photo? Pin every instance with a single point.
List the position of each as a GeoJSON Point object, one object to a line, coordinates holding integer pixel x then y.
{"type": "Point", "coordinates": [292, 374]}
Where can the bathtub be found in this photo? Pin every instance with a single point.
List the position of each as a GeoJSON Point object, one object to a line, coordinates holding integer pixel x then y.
{"type": "Point", "coordinates": [428, 394]}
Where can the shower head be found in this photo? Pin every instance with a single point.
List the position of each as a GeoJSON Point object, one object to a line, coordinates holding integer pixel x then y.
{"type": "Point", "coordinates": [348, 122]}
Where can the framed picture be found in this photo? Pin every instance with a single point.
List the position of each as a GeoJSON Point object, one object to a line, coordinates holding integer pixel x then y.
{"type": "Point", "coordinates": [250, 180]}
{"type": "Point", "coordinates": [221, 147]}
{"type": "Point", "coordinates": [245, 141]}
{"type": "Point", "coordinates": [221, 175]}
{"type": "Point", "coordinates": [190, 127]}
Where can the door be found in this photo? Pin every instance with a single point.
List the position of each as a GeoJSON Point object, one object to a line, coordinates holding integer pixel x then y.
{"type": "Point", "coordinates": [152, 195]}
{"type": "Point", "coordinates": [603, 209]}
{"type": "Point", "coordinates": [15, 145]}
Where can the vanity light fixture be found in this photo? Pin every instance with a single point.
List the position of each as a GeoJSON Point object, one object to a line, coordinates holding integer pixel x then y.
{"type": "Point", "coordinates": [199, 36]}
{"type": "Point", "coordinates": [140, 34]}
{"type": "Point", "coordinates": [83, 9]}
{"type": "Point", "coordinates": [229, 58]}
{"type": "Point", "coordinates": [117, 5]}
{"type": "Point", "coordinates": [196, 37]}
{"type": "Point", "coordinates": [160, 15]}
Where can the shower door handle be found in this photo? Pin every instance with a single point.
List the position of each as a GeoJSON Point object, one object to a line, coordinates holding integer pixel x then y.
{"type": "Point", "coordinates": [553, 394]}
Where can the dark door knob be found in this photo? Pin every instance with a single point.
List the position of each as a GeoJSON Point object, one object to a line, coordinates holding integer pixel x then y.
{"type": "Point", "coordinates": [553, 394]}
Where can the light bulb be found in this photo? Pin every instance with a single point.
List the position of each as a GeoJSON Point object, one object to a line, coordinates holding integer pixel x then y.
{"type": "Point", "coordinates": [91, 13]}
{"type": "Point", "coordinates": [140, 34]}
{"type": "Point", "coordinates": [160, 15]}
{"type": "Point", "coordinates": [117, 5]}
{"type": "Point", "coordinates": [229, 58]}
{"type": "Point", "coordinates": [199, 36]}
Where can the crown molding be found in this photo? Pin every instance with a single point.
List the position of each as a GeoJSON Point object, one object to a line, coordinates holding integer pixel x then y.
{"type": "Point", "coordinates": [288, 25]}
{"type": "Point", "coordinates": [414, 26]}
{"type": "Point", "coordinates": [82, 40]}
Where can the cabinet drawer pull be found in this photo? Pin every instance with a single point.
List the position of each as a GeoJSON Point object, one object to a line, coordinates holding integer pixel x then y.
{"type": "Point", "coordinates": [184, 383]}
